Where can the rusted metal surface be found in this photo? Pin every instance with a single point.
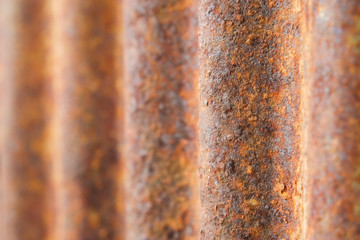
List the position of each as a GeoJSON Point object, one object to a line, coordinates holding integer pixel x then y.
{"type": "Point", "coordinates": [279, 120]}
{"type": "Point", "coordinates": [250, 125]}
{"type": "Point", "coordinates": [87, 86]}
{"type": "Point", "coordinates": [333, 85]}
{"type": "Point", "coordinates": [160, 119]}
{"type": "Point", "coordinates": [24, 82]}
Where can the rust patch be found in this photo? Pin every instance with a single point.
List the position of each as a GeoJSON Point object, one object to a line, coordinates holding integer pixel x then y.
{"type": "Point", "coordinates": [87, 87]}
{"type": "Point", "coordinates": [26, 208]}
{"type": "Point", "coordinates": [333, 85]}
{"type": "Point", "coordinates": [250, 126]}
{"type": "Point", "coordinates": [161, 119]}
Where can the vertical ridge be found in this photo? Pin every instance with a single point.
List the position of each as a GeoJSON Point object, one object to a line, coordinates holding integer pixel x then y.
{"type": "Point", "coordinates": [334, 119]}
{"type": "Point", "coordinates": [87, 120]}
{"type": "Point", "coordinates": [25, 93]}
{"type": "Point", "coordinates": [161, 119]}
{"type": "Point", "coordinates": [251, 170]}
{"type": "Point", "coordinates": [120, 196]}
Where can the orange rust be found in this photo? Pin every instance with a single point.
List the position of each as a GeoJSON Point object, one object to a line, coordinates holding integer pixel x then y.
{"type": "Point", "coordinates": [250, 122]}
{"type": "Point", "coordinates": [26, 211]}
{"type": "Point", "coordinates": [160, 119]}
{"type": "Point", "coordinates": [263, 125]}
{"type": "Point", "coordinates": [333, 116]}
{"type": "Point", "coordinates": [87, 86]}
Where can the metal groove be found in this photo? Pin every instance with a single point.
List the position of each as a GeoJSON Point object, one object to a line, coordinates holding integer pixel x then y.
{"type": "Point", "coordinates": [179, 119]}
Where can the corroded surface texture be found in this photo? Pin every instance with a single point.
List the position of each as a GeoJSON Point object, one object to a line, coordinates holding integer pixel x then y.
{"type": "Point", "coordinates": [160, 119]}
{"type": "Point", "coordinates": [85, 124]}
{"type": "Point", "coordinates": [334, 119]}
{"type": "Point", "coordinates": [24, 85]}
{"type": "Point", "coordinates": [279, 152]}
{"type": "Point", "coordinates": [251, 181]}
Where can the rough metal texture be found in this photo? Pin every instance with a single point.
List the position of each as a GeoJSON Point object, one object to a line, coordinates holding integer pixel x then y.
{"type": "Point", "coordinates": [333, 85]}
{"type": "Point", "coordinates": [279, 152]}
{"type": "Point", "coordinates": [250, 131]}
{"type": "Point", "coordinates": [160, 119]}
{"type": "Point", "coordinates": [85, 124]}
{"type": "Point", "coordinates": [24, 85]}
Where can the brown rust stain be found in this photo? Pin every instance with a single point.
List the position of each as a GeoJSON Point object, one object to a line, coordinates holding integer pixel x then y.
{"type": "Point", "coordinates": [250, 123]}
{"type": "Point", "coordinates": [86, 121]}
{"type": "Point", "coordinates": [161, 119]}
{"type": "Point", "coordinates": [333, 85]}
{"type": "Point", "coordinates": [26, 211]}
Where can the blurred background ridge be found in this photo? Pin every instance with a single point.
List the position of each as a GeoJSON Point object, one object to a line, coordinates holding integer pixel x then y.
{"type": "Point", "coordinates": [179, 119]}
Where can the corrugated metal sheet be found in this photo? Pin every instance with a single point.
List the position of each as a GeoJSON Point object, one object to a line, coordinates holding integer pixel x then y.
{"type": "Point", "coordinates": [179, 119]}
